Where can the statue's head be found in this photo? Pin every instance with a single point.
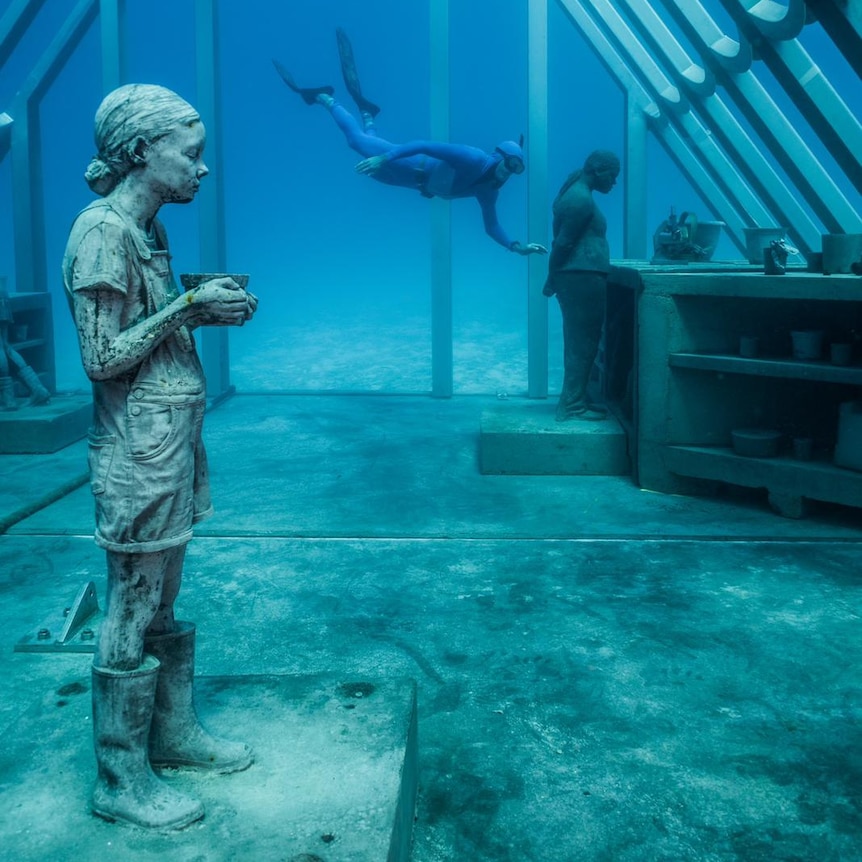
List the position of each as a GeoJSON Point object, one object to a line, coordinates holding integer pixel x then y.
{"type": "Point", "coordinates": [129, 119]}
{"type": "Point", "coordinates": [603, 168]}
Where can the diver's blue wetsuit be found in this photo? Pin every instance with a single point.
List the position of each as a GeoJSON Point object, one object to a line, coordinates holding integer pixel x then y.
{"type": "Point", "coordinates": [432, 168]}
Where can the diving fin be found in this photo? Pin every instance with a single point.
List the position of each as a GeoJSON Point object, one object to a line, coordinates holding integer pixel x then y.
{"type": "Point", "coordinates": [351, 78]}
{"type": "Point", "coordinates": [309, 94]}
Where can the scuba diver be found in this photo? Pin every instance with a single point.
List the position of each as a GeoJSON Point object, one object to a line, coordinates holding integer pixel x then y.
{"type": "Point", "coordinates": [434, 169]}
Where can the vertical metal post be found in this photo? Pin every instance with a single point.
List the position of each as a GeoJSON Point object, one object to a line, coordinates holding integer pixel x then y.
{"type": "Point", "coordinates": [441, 222]}
{"type": "Point", "coordinates": [635, 181]}
{"type": "Point", "coordinates": [27, 198]}
{"type": "Point", "coordinates": [215, 354]}
{"type": "Point", "coordinates": [111, 19]}
{"type": "Point", "coordinates": [537, 198]}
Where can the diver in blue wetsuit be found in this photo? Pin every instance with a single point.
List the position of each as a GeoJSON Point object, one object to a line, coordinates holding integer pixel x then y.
{"type": "Point", "coordinates": [432, 168]}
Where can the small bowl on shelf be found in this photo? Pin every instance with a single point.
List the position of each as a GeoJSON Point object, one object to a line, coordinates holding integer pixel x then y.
{"type": "Point", "coordinates": [756, 442]}
{"type": "Point", "coordinates": [191, 280]}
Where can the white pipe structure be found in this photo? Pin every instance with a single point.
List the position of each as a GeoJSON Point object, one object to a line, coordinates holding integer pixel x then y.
{"type": "Point", "coordinates": [784, 142]}
{"type": "Point", "coordinates": [741, 149]}
{"type": "Point", "coordinates": [685, 150]}
{"type": "Point", "coordinates": [816, 99]}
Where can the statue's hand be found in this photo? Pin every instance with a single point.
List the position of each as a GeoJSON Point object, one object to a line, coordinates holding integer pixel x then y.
{"type": "Point", "coordinates": [221, 302]}
{"type": "Point", "coordinates": [370, 166]}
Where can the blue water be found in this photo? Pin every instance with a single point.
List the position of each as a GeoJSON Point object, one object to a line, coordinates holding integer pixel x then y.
{"type": "Point", "coordinates": [341, 263]}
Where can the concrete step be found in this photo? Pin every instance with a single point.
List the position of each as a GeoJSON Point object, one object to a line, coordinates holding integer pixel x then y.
{"type": "Point", "coordinates": [45, 428]}
{"type": "Point", "coordinates": [525, 439]}
{"type": "Point", "coordinates": [334, 779]}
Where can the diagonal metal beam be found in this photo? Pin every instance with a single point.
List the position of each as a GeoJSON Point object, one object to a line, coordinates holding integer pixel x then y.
{"type": "Point", "coordinates": [27, 197]}
{"type": "Point", "coordinates": [776, 20]}
{"type": "Point", "coordinates": [782, 139]}
{"type": "Point", "coordinates": [5, 134]}
{"type": "Point", "coordinates": [19, 15]}
{"type": "Point", "coordinates": [815, 98]}
{"type": "Point", "coordinates": [843, 23]}
{"type": "Point", "coordinates": [685, 150]}
{"type": "Point", "coordinates": [738, 145]}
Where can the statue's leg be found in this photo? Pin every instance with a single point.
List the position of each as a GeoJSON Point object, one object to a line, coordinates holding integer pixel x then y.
{"type": "Point", "coordinates": [176, 736]}
{"type": "Point", "coordinates": [582, 304]}
{"type": "Point", "coordinates": [124, 689]}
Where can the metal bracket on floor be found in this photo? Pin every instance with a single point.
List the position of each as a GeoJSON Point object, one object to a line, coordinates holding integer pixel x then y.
{"type": "Point", "coordinates": [76, 627]}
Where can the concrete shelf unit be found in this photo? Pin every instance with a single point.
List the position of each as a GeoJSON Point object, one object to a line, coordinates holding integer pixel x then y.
{"type": "Point", "coordinates": [695, 388]}
{"type": "Point", "coordinates": [32, 334]}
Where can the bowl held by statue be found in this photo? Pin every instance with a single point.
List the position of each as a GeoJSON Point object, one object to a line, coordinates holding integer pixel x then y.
{"type": "Point", "coordinates": [191, 280]}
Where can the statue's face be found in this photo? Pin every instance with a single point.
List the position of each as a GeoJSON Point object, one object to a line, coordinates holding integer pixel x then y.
{"type": "Point", "coordinates": [605, 179]}
{"type": "Point", "coordinates": [174, 163]}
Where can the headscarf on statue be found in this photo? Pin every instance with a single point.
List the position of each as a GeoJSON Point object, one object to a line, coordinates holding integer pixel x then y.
{"type": "Point", "coordinates": [128, 116]}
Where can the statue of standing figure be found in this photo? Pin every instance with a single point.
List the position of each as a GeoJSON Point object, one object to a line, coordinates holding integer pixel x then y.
{"type": "Point", "coordinates": [148, 467]}
{"type": "Point", "coordinates": [577, 273]}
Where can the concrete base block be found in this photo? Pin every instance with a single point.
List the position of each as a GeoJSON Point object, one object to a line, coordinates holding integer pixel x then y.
{"type": "Point", "coordinates": [335, 776]}
{"type": "Point", "coordinates": [45, 428]}
{"type": "Point", "coordinates": [525, 439]}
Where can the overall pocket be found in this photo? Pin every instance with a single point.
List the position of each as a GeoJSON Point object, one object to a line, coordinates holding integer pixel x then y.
{"type": "Point", "coordinates": [100, 455]}
{"type": "Point", "coordinates": [149, 428]}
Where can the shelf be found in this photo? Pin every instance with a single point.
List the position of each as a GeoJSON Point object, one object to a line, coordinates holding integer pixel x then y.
{"type": "Point", "coordinates": [792, 369]}
{"type": "Point", "coordinates": [784, 477]}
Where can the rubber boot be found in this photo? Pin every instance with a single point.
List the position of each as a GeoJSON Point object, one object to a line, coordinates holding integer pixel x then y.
{"type": "Point", "coordinates": [351, 76]}
{"type": "Point", "coordinates": [38, 393]}
{"type": "Point", "coordinates": [126, 788]}
{"type": "Point", "coordinates": [176, 735]}
{"type": "Point", "coordinates": [7, 394]}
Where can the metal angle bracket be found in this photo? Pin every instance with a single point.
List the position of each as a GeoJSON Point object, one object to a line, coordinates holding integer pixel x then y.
{"type": "Point", "coordinates": [76, 627]}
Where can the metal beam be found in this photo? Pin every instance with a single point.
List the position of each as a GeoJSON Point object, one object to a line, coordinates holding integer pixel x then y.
{"type": "Point", "coordinates": [441, 221]}
{"type": "Point", "coordinates": [537, 197]}
{"type": "Point", "coordinates": [635, 181]}
{"type": "Point", "coordinates": [215, 346]}
{"type": "Point", "coordinates": [843, 24]}
{"type": "Point", "coordinates": [27, 197]}
{"type": "Point", "coordinates": [112, 15]}
{"type": "Point", "coordinates": [735, 140]}
{"type": "Point", "coordinates": [19, 15]}
{"type": "Point", "coordinates": [782, 139]}
{"type": "Point", "coordinates": [776, 20]}
{"type": "Point", "coordinates": [686, 150]}
{"type": "Point", "coordinates": [815, 98]}
{"type": "Point", "coordinates": [5, 134]}
{"type": "Point", "coordinates": [658, 83]}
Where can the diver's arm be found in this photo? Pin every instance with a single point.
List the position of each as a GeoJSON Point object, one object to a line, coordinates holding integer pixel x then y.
{"type": "Point", "coordinates": [494, 229]}
{"type": "Point", "coordinates": [488, 205]}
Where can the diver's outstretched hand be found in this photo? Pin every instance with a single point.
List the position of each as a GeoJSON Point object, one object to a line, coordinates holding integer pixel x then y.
{"type": "Point", "coordinates": [370, 166]}
{"type": "Point", "coordinates": [529, 248]}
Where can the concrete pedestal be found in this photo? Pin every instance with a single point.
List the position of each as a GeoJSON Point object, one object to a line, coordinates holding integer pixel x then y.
{"type": "Point", "coordinates": [335, 776]}
{"type": "Point", "coordinates": [45, 428]}
{"type": "Point", "coordinates": [526, 439]}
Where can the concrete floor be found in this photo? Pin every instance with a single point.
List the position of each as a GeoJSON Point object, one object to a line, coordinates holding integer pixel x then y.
{"type": "Point", "coordinates": [604, 673]}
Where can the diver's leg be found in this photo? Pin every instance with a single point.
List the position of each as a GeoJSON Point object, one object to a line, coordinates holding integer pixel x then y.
{"type": "Point", "coordinates": [309, 94]}
{"type": "Point", "coordinates": [351, 77]}
{"type": "Point", "coordinates": [357, 138]}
